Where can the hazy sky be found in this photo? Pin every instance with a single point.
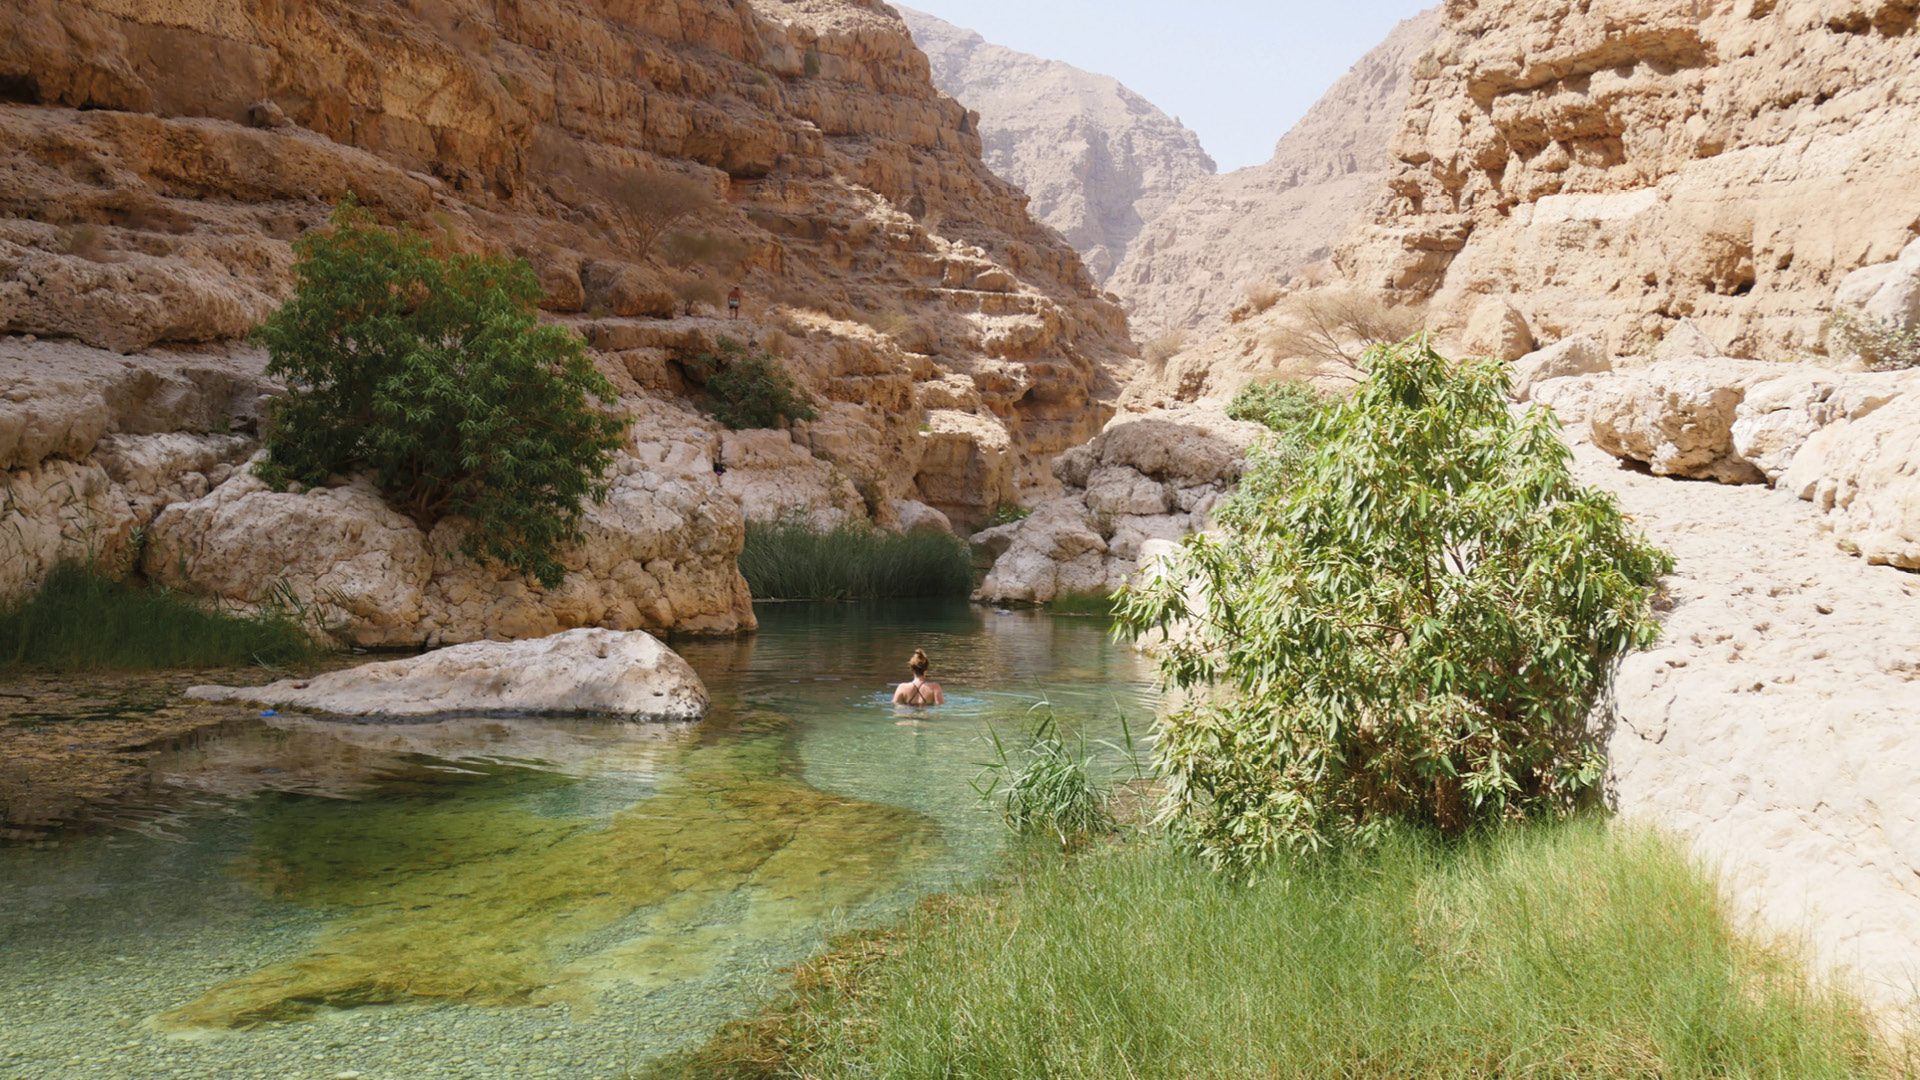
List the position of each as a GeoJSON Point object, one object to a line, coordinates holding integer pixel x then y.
{"type": "Point", "coordinates": [1239, 72]}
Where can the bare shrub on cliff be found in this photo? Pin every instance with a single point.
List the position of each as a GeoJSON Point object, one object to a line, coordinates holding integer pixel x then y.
{"type": "Point", "coordinates": [647, 204]}
{"type": "Point", "coordinates": [694, 291]}
{"type": "Point", "coordinates": [1340, 325]}
{"type": "Point", "coordinates": [1262, 295]}
{"type": "Point", "coordinates": [716, 251]}
{"type": "Point", "coordinates": [1880, 345]}
{"type": "Point", "coordinates": [1164, 348]}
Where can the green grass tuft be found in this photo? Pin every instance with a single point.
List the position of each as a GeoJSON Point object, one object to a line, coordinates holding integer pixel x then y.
{"type": "Point", "coordinates": [793, 561]}
{"type": "Point", "coordinates": [80, 621]}
{"type": "Point", "coordinates": [1540, 951]}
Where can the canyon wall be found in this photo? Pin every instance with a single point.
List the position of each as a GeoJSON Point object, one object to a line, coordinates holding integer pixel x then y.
{"type": "Point", "coordinates": [1638, 168]}
{"type": "Point", "coordinates": [1192, 263]}
{"type": "Point", "coordinates": [160, 158]}
{"type": "Point", "coordinates": [1098, 160]}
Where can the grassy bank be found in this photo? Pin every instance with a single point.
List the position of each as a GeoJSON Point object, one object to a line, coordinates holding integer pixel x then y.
{"type": "Point", "coordinates": [793, 561]}
{"type": "Point", "coordinates": [80, 621]}
{"type": "Point", "coordinates": [1576, 950]}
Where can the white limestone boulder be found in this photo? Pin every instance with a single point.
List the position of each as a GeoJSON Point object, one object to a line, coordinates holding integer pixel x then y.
{"type": "Point", "coordinates": [774, 478]}
{"type": "Point", "coordinates": [911, 516]}
{"type": "Point", "coordinates": [59, 511]}
{"type": "Point", "coordinates": [1677, 416]}
{"type": "Point", "coordinates": [1864, 475]}
{"type": "Point", "coordinates": [152, 472]}
{"type": "Point", "coordinates": [1887, 292]}
{"type": "Point", "coordinates": [658, 554]}
{"type": "Point", "coordinates": [627, 674]}
{"type": "Point", "coordinates": [1497, 329]}
{"type": "Point", "coordinates": [1581, 355]}
{"type": "Point", "coordinates": [1146, 478]}
{"type": "Point", "coordinates": [1775, 418]}
{"type": "Point", "coordinates": [358, 566]}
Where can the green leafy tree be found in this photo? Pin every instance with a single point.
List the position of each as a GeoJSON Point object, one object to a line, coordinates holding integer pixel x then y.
{"type": "Point", "coordinates": [1411, 628]}
{"type": "Point", "coordinates": [435, 374]}
{"type": "Point", "coordinates": [747, 388]}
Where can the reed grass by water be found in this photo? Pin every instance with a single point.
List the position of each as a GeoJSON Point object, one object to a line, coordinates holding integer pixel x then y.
{"type": "Point", "coordinates": [82, 621]}
{"type": "Point", "coordinates": [794, 561]}
{"type": "Point", "coordinates": [1582, 950]}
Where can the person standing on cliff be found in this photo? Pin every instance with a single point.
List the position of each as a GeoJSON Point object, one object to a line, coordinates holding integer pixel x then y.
{"type": "Point", "coordinates": [733, 303]}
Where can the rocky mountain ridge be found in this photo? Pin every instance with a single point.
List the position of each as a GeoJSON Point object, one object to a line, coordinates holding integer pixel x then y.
{"type": "Point", "coordinates": [1265, 223]}
{"type": "Point", "coordinates": [1098, 160]}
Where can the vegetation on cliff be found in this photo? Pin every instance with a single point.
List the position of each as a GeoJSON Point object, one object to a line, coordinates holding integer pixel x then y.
{"type": "Point", "coordinates": [792, 560]}
{"type": "Point", "coordinates": [81, 621]}
{"type": "Point", "coordinates": [747, 387]}
{"type": "Point", "coordinates": [435, 374]}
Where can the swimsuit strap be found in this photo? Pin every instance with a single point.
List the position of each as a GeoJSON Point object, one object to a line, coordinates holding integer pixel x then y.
{"type": "Point", "coordinates": [914, 698]}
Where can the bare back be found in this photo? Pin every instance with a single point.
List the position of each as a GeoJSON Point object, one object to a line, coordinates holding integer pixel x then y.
{"type": "Point", "coordinates": [919, 692]}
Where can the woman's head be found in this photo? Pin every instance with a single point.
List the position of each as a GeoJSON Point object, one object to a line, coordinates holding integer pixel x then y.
{"type": "Point", "coordinates": [918, 662]}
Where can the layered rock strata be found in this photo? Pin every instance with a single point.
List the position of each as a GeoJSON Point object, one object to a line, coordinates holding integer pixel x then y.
{"type": "Point", "coordinates": [1642, 169]}
{"type": "Point", "coordinates": [1098, 160]}
{"type": "Point", "coordinates": [160, 159]}
{"type": "Point", "coordinates": [1192, 265]}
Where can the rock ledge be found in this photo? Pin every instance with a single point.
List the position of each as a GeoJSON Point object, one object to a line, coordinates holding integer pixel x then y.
{"type": "Point", "coordinates": [594, 671]}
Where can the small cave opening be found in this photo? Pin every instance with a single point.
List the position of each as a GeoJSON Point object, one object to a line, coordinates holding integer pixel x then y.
{"type": "Point", "coordinates": [20, 90]}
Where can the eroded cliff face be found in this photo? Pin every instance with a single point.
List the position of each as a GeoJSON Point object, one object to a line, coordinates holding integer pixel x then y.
{"type": "Point", "coordinates": [1190, 265]}
{"type": "Point", "coordinates": [160, 158]}
{"type": "Point", "coordinates": [1630, 168]}
{"type": "Point", "coordinates": [1098, 160]}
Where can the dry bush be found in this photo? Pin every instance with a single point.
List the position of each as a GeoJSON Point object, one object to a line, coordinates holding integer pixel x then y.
{"type": "Point", "coordinates": [888, 321]}
{"type": "Point", "coordinates": [720, 252]}
{"type": "Point", "coordinates": [1262, 295]}
{"type": "Point", "coordinates": [647, 204]}
{"type": "Point", "coordinates": [1339, 325]}
{"type": "Point", "coordinates": [1165, 347]}
{"type": "Point", "coordinates": [1880, 345]}
{"type": "Point", "coordinates": [796, 297]}
{"type": "Point", "coordinates": [920, 337]}
{"type": "Point", "coordinates": [693, 291]}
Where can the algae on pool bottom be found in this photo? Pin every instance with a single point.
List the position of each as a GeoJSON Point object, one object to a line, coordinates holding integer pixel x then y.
{"type": "Point", "coordinates": [389, 899]}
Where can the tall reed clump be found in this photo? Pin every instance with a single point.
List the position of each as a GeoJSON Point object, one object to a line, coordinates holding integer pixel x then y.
{"type": "Point", "coordinates": [1554, 950]}
{"type": "Point", "coordinates": [81, 621]}
{"type": "Point", "coordinates": [1054, 783]}
{"type": "Point", "coordinates": [791, 560]}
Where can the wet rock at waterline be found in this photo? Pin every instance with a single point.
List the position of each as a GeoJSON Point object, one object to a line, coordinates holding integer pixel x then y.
{"type": "Point", "coordinates": [1147, 477]}
{"type": "Point", "coordinates": [627, 674]}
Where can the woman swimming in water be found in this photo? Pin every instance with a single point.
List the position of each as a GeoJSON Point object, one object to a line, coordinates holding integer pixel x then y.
{"type": "Point", "coordinates": [919, 691]}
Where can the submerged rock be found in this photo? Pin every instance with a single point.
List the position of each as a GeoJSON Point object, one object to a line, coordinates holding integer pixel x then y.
{"type": "Point", "coordinates": [628, 674]}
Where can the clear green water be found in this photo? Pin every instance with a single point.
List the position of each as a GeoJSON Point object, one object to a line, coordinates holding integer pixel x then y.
{"type": "Point", "coordinates": [528, 898]}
